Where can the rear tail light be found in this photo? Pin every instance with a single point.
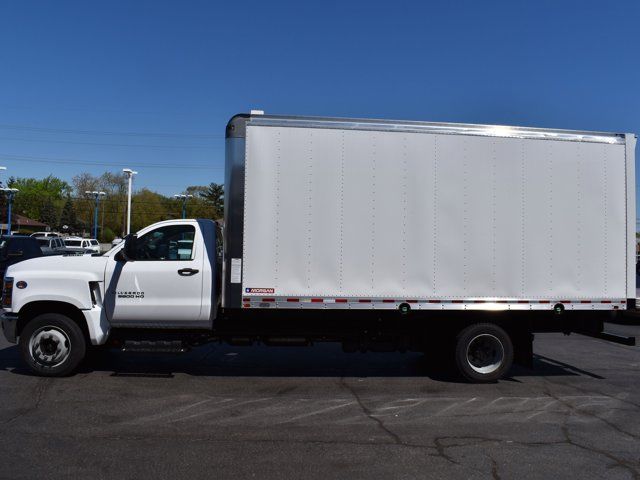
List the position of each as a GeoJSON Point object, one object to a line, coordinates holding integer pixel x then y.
{"type": "Point", "coordinates": [7, 291]}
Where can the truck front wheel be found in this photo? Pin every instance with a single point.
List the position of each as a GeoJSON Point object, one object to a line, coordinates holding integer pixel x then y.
{"type": "Point", "coordinates": [484, 352]}
{"type": "Point", "coordinates": [52, 345]}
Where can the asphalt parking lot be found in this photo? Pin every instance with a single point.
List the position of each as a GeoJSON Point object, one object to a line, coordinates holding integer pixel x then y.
{"type": "Point", "coordinates": [256, 412]}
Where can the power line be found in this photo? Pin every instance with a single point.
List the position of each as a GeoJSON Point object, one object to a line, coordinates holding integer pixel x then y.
{"type": "Point", "coordinates": [104, 144]}
{"type": "Point", "coordinates": [69, 161]}
{"type": "Point", "coordinates": [58, 108]}
{"type": "Point", "coordinates": [107, 132]}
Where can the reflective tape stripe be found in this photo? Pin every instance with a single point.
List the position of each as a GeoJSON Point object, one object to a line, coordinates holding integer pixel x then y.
{"type": "Point", "coordinates": [431, 303]}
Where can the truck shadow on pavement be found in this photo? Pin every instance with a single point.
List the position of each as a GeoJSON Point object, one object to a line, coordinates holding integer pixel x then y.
{"type": "Point", "coordinates": [324, 360]}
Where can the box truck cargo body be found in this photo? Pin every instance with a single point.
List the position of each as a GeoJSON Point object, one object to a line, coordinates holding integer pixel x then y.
{"type": "Point", "coordinates": [362, 214]}
{"type": "Point", "coordinates": [459, 241]}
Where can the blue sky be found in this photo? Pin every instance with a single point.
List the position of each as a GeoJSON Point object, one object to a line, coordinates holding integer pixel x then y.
{"type": "Point", "coordinates": [95, 86]}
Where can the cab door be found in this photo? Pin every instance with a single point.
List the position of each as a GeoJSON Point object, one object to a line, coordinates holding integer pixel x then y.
{"type": "Point", "coordinates": [163, 285]}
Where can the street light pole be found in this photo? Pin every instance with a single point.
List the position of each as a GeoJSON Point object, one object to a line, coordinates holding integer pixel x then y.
{"type": "Point", "coordinates": [2, 168]}
{"type": "Point", "coordinates": [11, 192]}
{"type": "Point", "coordinates": [97, 196]}
{"type": "Point", "coordinates": [129, 173]}
{"type": "Point", "coordinates": [184, 199]}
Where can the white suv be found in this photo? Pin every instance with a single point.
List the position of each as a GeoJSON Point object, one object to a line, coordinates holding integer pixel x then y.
{"type": "Point", "coordinates": [88, 244]}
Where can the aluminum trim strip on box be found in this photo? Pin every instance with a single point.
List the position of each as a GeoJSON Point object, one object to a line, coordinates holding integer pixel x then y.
{"type": "Point", "coordinates": [442, 128]}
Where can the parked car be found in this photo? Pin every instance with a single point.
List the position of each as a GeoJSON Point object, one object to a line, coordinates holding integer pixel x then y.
{"type": "Point", "coordinates": [52, 245]}
{"type": "Point", "coordinates": [16, 248]}
{"type": "Point", "coordinates": [115, 241]}
{"type": "Point", "coordinates": [44, 234]}
{"type": "Point", "coordinates": [89, 245]}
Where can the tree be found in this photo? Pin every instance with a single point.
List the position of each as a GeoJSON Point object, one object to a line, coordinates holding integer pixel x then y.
{"type": "Point", "coordinates": [214, 195]}
{"type": "Point", "coordinates": [68, 216]}
{"type": "Point", "coordinates": [196, 190]}
{"type": "Point", "coordinates": [107, 235]}
{"type": "Point", "coordinates": [148, 207]}
{"type": "Point", "coordinates": [48, 214]}
{"type": "Point", "coordinates": [113, 206]}
{"type": "Point", "coordinates": [41, 199]}
{"type": "Point", "coordinates": [57, 203]}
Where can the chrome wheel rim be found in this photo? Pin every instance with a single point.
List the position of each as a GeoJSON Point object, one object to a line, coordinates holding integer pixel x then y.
{"type": "Point", "coordinates": [485, 353]}
{"type": "Point", "coordinates": [49, 346]}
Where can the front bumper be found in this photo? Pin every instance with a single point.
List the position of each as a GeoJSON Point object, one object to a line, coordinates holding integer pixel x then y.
{"type": "Point", "coordinates": [9, 323]}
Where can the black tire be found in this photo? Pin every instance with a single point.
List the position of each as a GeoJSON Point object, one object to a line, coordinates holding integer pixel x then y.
{"type": "Point", "coordinates": [483, 352]}
{"type": "Point", "coordinates": [52, 345]}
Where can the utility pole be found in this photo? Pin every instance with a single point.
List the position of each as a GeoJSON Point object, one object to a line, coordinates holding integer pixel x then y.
{"type": "Point", "coordinates": [130, 173]}
{"type": "Point", "coordinates": [97, 196]}
{"type": "Point", "coordinates": [184, 199]}
{"type": "Point", "coordinates": [11, 192]}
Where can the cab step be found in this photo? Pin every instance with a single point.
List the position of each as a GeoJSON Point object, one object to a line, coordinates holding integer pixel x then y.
{"type": "Point", "coordinates": [155, 346]}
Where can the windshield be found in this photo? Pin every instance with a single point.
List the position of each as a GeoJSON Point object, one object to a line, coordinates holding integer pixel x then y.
{"type": "Point", "coordinates": [44, 242]}
{"type": "Point", "coordinates": [94, 242]}
{"type": "Point", "coordinates": [73, 243]}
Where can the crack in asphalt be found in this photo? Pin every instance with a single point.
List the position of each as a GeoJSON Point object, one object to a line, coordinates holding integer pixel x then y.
{"type": "Point", "coordinates": [620, 462]}
{"type": "Point", "coordinates": [441, 450]}
{"type": "Point", "coordinates": [591, 414]}
{"type": "Point", "coordinates": [39, 391]}
{"type": "Point", "coordinates": [494, 468]}
{"type": "Point", "coordinates": [369, 414]}
{"type": "Point", "coordinates": [635, 473]}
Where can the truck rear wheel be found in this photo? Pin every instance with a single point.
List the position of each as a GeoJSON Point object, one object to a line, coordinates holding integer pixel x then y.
{"type": "Point", "coordinates": [52, 345]}
{"type": "Point", "coordinates": [483, 352]}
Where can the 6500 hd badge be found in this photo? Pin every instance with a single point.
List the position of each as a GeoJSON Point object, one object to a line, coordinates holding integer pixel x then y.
{"type": "Point", "coordinates": [130, 294]}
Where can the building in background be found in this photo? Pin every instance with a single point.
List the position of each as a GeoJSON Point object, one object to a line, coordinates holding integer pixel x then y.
{"type": "Point", "coordinates": [25, 225]}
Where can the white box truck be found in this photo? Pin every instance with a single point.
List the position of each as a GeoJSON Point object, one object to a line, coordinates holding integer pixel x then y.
{"type": "Point", "coordinates": [456, 240]}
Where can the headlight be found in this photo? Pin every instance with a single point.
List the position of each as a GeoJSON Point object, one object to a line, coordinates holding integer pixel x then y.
{"type": "Point", "coordinates": [7, 291]}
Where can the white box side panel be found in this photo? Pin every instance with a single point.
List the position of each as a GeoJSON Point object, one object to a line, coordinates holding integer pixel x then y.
{"type": "Point", "coordinates": [373, 214]}
{"type": "Point", "coordinates": [362, 192]}
{"type": "Point", "coordinates": [421, 218]}
{"type": "Point", "coordinates": [261, 186]}
{"type": "Point", "coordinates": [631, 213]}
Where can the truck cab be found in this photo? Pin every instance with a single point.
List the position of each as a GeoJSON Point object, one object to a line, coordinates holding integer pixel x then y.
{"type": "Point", "coordinates": [52, 245]}
{"type": "Point", "coordinates": [166, 276]}
{"type": "Point", "coordinates": [88, 245]}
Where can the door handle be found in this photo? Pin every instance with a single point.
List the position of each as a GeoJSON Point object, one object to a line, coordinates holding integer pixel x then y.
{"type": "Point", "coordinates": [187, 272]}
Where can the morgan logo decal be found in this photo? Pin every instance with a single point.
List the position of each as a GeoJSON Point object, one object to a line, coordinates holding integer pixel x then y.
{"type": "Point", "coordinates": [259, 290]}
{"type": "Point", "coordinates": [130, 294]}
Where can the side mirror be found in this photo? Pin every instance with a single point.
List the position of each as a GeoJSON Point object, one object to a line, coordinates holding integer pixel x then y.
{"type": "Point", "coordinates": [128, 252]}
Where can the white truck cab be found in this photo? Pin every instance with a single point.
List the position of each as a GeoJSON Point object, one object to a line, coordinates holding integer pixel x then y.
{"type": "Point", "coordinates": [166, 280]}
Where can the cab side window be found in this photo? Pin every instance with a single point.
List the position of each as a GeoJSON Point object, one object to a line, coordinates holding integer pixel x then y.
{"type": "Point", "coordinates": [173, 242]}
